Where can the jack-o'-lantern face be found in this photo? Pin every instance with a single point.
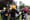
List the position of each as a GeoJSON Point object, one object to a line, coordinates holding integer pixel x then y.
{"type": "Point", "coordinates": [13, 6]}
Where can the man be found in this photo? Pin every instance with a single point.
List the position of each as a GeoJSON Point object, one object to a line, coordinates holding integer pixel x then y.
{"type": "Point", "coordinates": [13, 11]}
{"type": "Point", "coordinates": [5, 15]}
{"type": "Point", "coordinates": [3, 11]}
{"type": "Point", "coordinates": [25, 13]}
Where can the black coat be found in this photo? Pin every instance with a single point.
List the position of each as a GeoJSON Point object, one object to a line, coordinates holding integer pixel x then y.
{"type": "Point", "coordinates": [12, 12]}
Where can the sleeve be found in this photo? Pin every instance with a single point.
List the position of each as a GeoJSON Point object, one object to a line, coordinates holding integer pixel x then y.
{"type": "Point", "coordinates": [2, 13]}
{"type": "Point", "coordinates": [17, 12]}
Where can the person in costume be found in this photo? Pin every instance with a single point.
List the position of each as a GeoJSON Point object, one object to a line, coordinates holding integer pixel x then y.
{"type": "Point", "coordinates": [13, 11]}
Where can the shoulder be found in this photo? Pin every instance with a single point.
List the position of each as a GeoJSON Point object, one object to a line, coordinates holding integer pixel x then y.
{"type": "Point", "coordinates": [16, 10]}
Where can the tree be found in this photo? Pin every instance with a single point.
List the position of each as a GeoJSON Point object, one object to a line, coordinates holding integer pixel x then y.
{"type": "Point", "coordinates": [21, 6]}
{"type": "Point", "coordinates": [3, 4]}
{"type": "Point", "coordinates": [10, 1]}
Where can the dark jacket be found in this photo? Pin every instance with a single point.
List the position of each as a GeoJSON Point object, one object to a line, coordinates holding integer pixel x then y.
{"type": "Point", "coordinates": [12, 12]}
{"type": "Point", "coordinates": [3, 13]}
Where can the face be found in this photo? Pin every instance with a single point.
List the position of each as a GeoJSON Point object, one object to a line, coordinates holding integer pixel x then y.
{"type": "Point", "coordinates": [4, 8]}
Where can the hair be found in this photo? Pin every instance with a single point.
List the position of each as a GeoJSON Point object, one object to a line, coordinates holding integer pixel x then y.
{"type": "Point", "coordinates": [6, 9]}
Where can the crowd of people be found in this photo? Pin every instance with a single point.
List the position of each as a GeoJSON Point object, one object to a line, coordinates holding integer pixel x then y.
{"type": "Point", "coordinates": [14, 14]}
{"type": "Point", "coordinates": [11, 11]}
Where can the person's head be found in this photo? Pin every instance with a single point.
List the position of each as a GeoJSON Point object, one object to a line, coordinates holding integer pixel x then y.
{"type": "Point", "coordinates": [4, 8]}
{"type": "Point", "coordinates": [25, 9]}
{"type": "Point", "coordinates": [13, 6]}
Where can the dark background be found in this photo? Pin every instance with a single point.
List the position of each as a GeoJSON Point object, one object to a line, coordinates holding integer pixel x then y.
{"type": "Point", "coordinates": [4, 2]}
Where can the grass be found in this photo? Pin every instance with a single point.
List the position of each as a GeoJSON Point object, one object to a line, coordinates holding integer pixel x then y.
{"type": "Point", "coordinates": [20, 18]}
{"type": "Point", "coordinates": [0, 17]}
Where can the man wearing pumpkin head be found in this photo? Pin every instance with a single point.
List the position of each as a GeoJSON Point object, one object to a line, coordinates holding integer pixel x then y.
{"type": "Point", "coordinates": [13, 11]}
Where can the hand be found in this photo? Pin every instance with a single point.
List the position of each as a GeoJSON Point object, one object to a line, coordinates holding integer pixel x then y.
{"type": "Point", "coordinates": [9, 14]}
{"type": "Point", "coordinates": [6, 14]}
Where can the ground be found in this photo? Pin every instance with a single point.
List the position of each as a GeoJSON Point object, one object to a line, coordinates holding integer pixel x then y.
{"type": "Point", "coordinates": [0, 17]}
{"type": "Point", "coordinates": [8, 17]}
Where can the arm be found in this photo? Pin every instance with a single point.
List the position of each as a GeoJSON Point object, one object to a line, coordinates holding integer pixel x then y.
{"type": "Point", "coordinates": [9, 12]}
{"type": "Point", "coordinates": [17, 12]}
